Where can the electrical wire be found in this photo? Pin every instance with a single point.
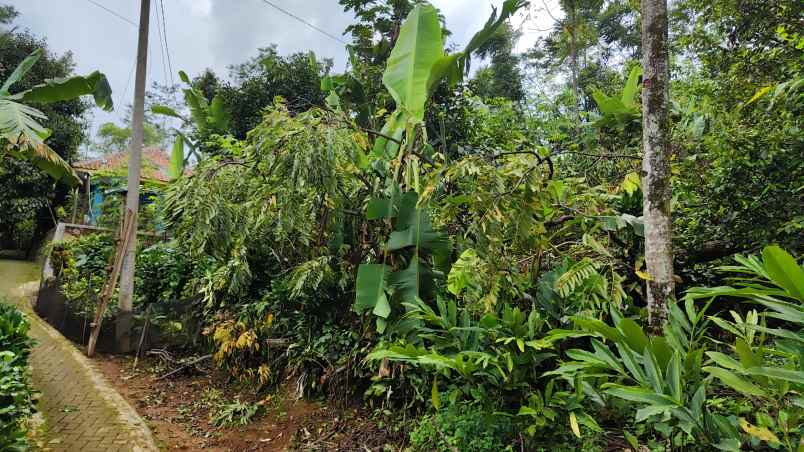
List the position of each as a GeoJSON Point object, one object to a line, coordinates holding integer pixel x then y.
{"type": "Point", "coordinates": [121, 99]}
{"type": "Point", "coordinates": [161, 47]}
{"type": "Point", "coordinates": [167, 47]}
{"type": "Point", "coordinates": [288, 13]}
{"type": "Point", "coordinates": [119, 16]}
{"type": "Point", "coordinates": [128, 83]}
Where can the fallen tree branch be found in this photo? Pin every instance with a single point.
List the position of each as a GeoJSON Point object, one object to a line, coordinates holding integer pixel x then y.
{"type": "Point", "coordinates": [184, 367]}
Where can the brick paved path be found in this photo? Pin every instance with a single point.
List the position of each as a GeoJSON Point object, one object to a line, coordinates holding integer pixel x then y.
{"type": "Point", "coordinates": [82, 412]}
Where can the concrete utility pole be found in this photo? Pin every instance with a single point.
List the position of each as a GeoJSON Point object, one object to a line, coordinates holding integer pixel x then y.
{"type": "Point", "coordinates": [126, 295]}
{"type": "Point", "coordinates": [656, 161]}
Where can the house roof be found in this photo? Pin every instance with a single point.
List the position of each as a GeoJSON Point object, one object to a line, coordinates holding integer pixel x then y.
{"type": "Point", "coordinates": [155, 164]}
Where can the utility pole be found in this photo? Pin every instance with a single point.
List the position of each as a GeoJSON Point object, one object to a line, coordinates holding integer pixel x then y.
{"type": "Point", "coordinates": [126, 295]}
{"type": "Point", "coordinates": [656, 161]}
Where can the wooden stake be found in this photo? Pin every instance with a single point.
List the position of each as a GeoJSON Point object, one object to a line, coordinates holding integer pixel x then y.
{"type": "Point", "coordinates": [129, 221]}
{"type": "Point", "coordinates": [144, 333]}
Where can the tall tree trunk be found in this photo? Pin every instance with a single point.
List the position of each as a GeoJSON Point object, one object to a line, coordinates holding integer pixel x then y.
{"type": "Point", "coordinates": [656, 162]}
{"type": "Point", "coordinates": [575, 69]}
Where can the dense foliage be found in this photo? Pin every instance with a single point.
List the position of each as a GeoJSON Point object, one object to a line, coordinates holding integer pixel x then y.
{"type": "Point", "coordinates": [16, 392]}
{"type": "Point", "coordinates": [160, 280]}
{"type": "Point", "coordinates": [25, 136]}
{"type": "Point", "coordinates": [28, 199]}
{"type": "Point", "coordinates": [471, 252]}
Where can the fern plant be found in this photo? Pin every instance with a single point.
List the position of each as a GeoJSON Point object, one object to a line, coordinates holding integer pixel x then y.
{"type": "Point", "coordinates": [577, 275]}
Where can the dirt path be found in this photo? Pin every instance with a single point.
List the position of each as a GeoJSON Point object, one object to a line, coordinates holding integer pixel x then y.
{"type": "Point", "coordinates": [81, 409]}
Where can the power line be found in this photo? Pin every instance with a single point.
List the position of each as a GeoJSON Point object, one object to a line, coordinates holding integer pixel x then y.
{"type": "Point", "coordinates": [129, 21]}
{"type": "Point", "coordinates": [128, 83]}
{"type": "Point", "coordinates": [123, 18]}
{"type": "Point", "coordinates": [164, 35]}
{"type": "Point", "coordinates": [161, 47]}
{"type": "Point", "coordinates": [288, 13]}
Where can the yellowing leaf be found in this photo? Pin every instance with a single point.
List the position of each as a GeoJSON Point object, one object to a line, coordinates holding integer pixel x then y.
{"type": "Point", "coordinates": [761, 433]}
{"type": "Point", "coordinates": [644, 275]}
{"type": "Point", "coordinates": [759, 94]}
{"type": "Point", "coordinates": [574, 425]}
{"type": "Point", "coordinates": [631, 183]}
{"type": "Point", "coordinates": [436, 397]}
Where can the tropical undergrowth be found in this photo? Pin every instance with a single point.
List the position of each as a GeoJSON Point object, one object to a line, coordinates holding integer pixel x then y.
{"type": "Point", "coordinates": [16, 391]}
{"type": "Point", "coordinates": [492, 289]}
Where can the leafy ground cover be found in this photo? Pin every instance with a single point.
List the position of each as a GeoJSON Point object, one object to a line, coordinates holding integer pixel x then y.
{"type": "Point", "coordinates": [16, 391]}
{"type": "Point", "coordinates": [469, 272]}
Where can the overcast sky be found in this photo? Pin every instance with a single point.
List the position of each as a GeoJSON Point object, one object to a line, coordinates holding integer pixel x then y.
{"type": "Point", "coordinates": [216, 33]}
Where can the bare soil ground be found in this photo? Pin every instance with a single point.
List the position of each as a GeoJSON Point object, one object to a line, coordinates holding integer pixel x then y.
{"type": "Point", "coordinates": [179, 408]}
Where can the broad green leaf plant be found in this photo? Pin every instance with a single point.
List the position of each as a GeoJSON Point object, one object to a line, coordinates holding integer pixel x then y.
{"type": "Point", "coordinates": [620, 111]}
{"type": "Point", "coordinates": [205, 117]}
{"type": "Point", "coordinates": [22, 133]}
{"type": "Point", "coordinates": [670, 379]}
{"type": "Point", "coordinates": [769, 370]}
{"type": "Point", "coordinates": [417, 64]}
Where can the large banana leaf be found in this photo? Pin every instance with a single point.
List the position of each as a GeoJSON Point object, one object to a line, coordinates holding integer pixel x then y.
{"type": "Point", "coordinates": [219, 117]}
{"type": "Point", "coordinates": [370, 288]}
{"type": "Point", "coordinates": [414, 229]}
{"type": "Point", "coordinates": [61, 89]}
{"type": "Point", "coordinates": [46, 159]}
{"type": "Point", "coordinates": [494, 22]}
{"type": "Point", "coordinates": [395, 128]}
{"type": "Point", "coordinates": [631, 89]}
{"type": "Point", "coordinates": [20, 71]}
{"type": "Point", "coordinates": [177, 159]}
{"type": "Point", "coordinates": [23, 135]}
{"type": "Point", "coordinates": [418, 63]}
{"type": "Point", "coordinates": [454, 66]}
{"type": "Point", "coordinates": [419, 46]}
{"type": "Point", "coordinates": [18, 120]}
{"type": "Point", "coordinates": [409, 283]}
{"type": "Point", "coordinates": [619, 111]}
{"type": "Point", "coordinates": [164, 110]}
{"type": "Point", "coordinates": [24, 138]}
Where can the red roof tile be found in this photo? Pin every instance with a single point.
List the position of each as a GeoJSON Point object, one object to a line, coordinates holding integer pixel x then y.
{"type": "Point", "coordinates": [155, 164]}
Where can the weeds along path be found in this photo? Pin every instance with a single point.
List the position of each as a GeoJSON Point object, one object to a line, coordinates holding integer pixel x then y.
{"type": "Point", "coordinates": [81, 410]}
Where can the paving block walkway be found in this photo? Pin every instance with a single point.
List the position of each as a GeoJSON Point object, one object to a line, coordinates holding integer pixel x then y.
{"type": "Point", "coordinates": [82, 412]}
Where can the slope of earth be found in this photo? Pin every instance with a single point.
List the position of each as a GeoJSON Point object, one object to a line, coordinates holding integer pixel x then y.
{"type": "Point", "coordinates": [180, 408]}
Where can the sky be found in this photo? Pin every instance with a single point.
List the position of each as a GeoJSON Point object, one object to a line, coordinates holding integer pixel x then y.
{"type": "Point", "coordinates": [218, 33]}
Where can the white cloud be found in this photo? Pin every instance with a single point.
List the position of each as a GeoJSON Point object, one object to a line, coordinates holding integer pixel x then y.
{"type": "Point", "coordinates": [211, 33]}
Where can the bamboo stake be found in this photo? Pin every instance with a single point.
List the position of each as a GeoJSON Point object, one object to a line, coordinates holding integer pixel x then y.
{"type": "Point", "coordinates": [111, 283]}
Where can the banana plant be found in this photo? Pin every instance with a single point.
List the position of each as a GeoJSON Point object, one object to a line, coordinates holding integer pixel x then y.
{"type": "Point", "coordinates": [205, 117]}
{"type": "Point", "coordinates": [23, 135]}
{"type": "Point", "coordinates": [417, 64]}
{"type": "Point", "coordinates": [412, 242]}
{"type": "Point", "coordinates": [619, 111]}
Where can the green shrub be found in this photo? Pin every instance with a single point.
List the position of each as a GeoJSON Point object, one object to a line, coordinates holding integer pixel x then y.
{"type": "Point", "coordinates": [463, 427]}
{"type": "Point", "coordinates": [235, 413]}
{"type": "Point", "coordinates": [161, 274]}
{"type": "Point", "coordinates": [692, 387]}
{"type": "Point", "coordinates": [16, 393]}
